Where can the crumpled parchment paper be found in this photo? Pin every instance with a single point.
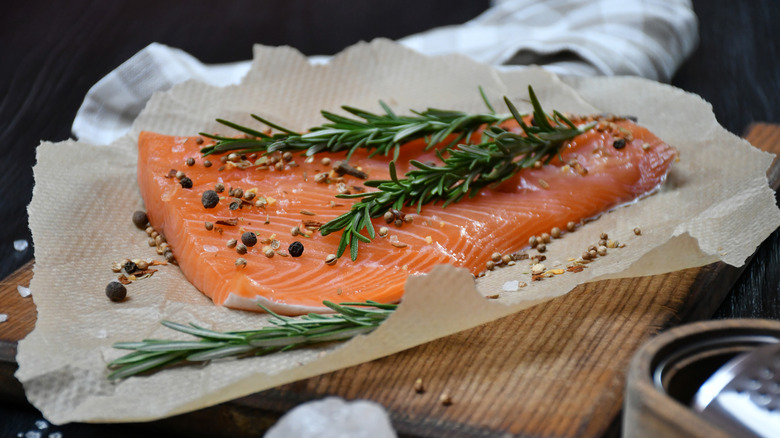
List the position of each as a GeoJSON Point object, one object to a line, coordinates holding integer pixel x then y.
{"type": "Point", "coordinates": [716, 205]}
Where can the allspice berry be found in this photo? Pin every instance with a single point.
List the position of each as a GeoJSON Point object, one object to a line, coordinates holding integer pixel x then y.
{"type": "Point", "coordinates": [116, 291]}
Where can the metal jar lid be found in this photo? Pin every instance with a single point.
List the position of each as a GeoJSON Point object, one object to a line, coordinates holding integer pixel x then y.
{"type": "Point", "coordinates": [668, 371]}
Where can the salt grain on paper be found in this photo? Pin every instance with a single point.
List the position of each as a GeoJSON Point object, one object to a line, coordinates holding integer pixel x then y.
{"type": "Point", "coordinates": [23, 291]}
{"type": "Point", "coordinates": [510, 286]}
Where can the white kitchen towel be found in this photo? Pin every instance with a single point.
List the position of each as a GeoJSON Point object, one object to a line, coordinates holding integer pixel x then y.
{"type": "Point", "coordinates": [648, 38]}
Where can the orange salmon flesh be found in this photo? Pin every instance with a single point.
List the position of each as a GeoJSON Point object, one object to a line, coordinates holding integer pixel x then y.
{"type": "Point", "coordinates": [464, 234]}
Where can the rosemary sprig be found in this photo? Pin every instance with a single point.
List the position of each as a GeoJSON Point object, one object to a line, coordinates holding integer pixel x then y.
{"type": "Point", "coordinates": [351, 319]}
{"type": "Point", "coordinates": [466, 170]}
{"type": "Point", "coordinates": [380, 132]}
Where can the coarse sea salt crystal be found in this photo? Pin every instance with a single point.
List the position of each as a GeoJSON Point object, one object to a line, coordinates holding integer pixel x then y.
{"type": "Point", "coordinates": [41, 424]}
{"type": "Point", "coordinates": [20, 245]}
{"type": "Point", "coordinates": [3, 317]}
{"type": "Point", "coordinates": [210, 248]}
{"type": "Point", "coordinates": [333, 417]}
{"type": "Point", "coordinates": [23, 291]}
{"type": "Point", "coordinates": [510, 286]}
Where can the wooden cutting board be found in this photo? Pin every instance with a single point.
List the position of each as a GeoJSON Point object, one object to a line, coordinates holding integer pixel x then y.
{"type": "Point", "coordinates": [553, 370]}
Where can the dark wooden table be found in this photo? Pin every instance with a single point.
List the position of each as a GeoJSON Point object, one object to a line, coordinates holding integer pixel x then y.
{"type": "Point", "coordinates": [52, 52]}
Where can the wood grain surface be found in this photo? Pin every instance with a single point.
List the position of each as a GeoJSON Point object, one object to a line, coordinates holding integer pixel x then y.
{"type": "Point", "coordinates": [556, 369]}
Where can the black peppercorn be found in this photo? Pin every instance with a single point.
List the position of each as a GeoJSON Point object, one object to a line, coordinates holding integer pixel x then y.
{"type": "Point", "coordinates": [210, 199]}
{"type": "Point", "coordinates": [130, 267]}
{"type": "Point", "coordinates": [140, 220]}
{"type": "Point", "coordinates": [295, 249]}
{"type": "Point", "coordinates": [249, 238]}
{"type": "Point", "coordinates": [619, 143]}
{"type": "Point", "coordinates": [116, 291]}
{"type": "Point", "coordinates": [186, 182]}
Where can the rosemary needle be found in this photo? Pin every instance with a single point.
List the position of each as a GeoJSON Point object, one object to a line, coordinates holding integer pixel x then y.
{"type": "Point", "coordinates": [466, 170]}
{"type": "Point", "coordinates": [351, 319]}
{"type": "Point", "coordinates": [381, 133]}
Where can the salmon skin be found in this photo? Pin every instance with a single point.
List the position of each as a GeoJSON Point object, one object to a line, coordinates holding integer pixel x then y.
{"type": "Point", "coordinates": [610, 165]}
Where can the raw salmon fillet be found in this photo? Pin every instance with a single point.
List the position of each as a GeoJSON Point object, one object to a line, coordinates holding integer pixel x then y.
{"type": "Point", "coordinates": [590, 177]}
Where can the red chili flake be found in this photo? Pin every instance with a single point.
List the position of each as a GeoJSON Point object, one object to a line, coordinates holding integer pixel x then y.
{"type": "Point", "coordinates": [229, 222]}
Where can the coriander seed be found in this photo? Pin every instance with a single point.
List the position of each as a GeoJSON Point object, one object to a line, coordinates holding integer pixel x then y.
{"type": "Point", "coordinates": [331, 259]}
{"type": "Point", "coordinates": [637, 231]}
{"type": "Point", "coordinates": [418, 386]}
{"type": "Point", "coordinates": [209, 225]}
{"type": "Point", "coordinates": [241, 248]}
{"type": "Point", "coordinates": [219, 187]}
{"type": "Point", "coordinates": [231, 243]}
{"type": "Point", "coordinates": [570, 226]}
{"type": "Point", "coordinates": [190, 161]}
{"type": "Point", "coordinates": [240, 262]}
{"type": "Point", "coordinates": [206, 163]}
{"type": "Point", "coordinates": [555, 232]}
